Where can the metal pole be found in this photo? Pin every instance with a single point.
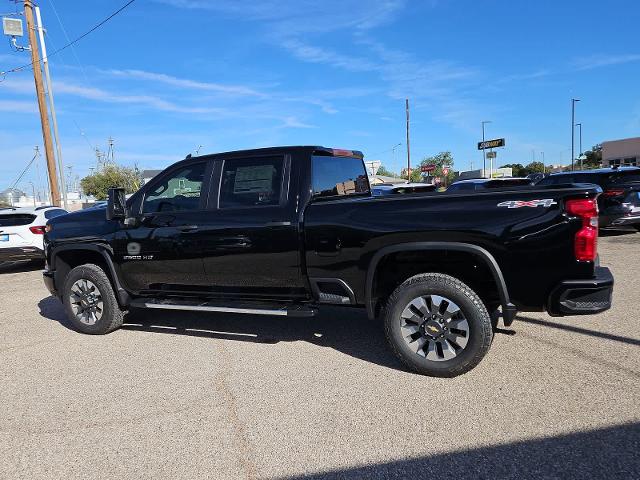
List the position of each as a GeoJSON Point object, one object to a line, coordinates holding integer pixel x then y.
{"type": "Point", "coordinates": [579, 125]}
{"type": "Point", "coordinates": [484, 156]}
{"type": "Point", "coordinates": [573, 128]}
{"type": "Point", "coordinates": [544, 168]}
{"type": "Point", "coordinates": [42, 104]}
{"type": "Point", "coordinates": [408, 147]}
{"type": "Point", "coordinates": [54, 121]}
{"type": "Point", "coordinates": [33, 189]}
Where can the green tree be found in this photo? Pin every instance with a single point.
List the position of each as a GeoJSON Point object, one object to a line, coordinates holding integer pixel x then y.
{"type": "Point", "coordinates": [534, 167]}
{"type": "Point", "coordinates": [441, 160]}
{"type": "Point", "coordinates": [517, 169]}
{"type": "Point", "coordinates": [594, 157]}
{"type": "Point", "coordinates": [386, 173]}
{"type": "Point", "coordinates": [111, 175]}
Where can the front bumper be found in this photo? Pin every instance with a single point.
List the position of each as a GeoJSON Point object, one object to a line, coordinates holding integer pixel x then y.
{"type": "Point", "coordinates": [582, 297]}
{"type": "Point", "coordinates": [49, 282]}
{"type": "Point", "coordinates": [16, 254]}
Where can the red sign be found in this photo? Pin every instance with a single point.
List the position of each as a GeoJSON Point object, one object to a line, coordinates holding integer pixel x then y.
{"type": "Point", "coordinates": [427, 168]}
{"type": "Point", "coordinates": [445, 171]}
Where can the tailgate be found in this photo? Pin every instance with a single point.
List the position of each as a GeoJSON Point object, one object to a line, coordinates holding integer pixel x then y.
{"type": "Point", "coordinates": [15, 236]}
{"type": "Point", "coordinates": [14, 229]}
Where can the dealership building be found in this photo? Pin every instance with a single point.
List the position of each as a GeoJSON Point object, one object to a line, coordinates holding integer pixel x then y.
{"type": "Point", "coordinates": [621, 153]}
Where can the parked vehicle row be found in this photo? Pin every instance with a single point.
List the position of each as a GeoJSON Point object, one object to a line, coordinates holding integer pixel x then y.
{"type": "Point", "coordinates": [619, 203]}
{"type": "Point", "coordinates": [286, 230]}
{"type": "Point", "coordinates": [22, 232]}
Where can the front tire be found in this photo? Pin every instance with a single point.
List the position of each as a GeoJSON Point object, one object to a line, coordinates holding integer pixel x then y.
{"type": "Point", "coordinates": [437, 326]}
{"type": "Point", "coordinates": [90, 302]}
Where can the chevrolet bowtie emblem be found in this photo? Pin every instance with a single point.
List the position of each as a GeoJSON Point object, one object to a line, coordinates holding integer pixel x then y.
{"type": "Point", "coordinates": [432, 328]}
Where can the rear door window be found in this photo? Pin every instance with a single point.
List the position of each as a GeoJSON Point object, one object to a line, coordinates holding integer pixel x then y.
{"type": "Point", "coordinates": [16, 219]}
{"type": "Point", "coordinates": [251, 182]}
{"type": "Point", "coordinates": [339, 176]}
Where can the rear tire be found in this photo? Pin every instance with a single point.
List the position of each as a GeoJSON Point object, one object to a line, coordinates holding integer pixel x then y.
{"type": "Point", "coordinates": [437, 326]}
{"type": "Point", "coordinates": [90, 302]}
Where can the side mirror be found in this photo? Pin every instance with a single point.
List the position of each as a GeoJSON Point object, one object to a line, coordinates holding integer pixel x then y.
{"type": "Point", "coordinates": [116, 204]}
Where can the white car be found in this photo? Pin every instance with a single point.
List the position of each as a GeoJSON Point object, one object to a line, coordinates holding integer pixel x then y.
{"type": "Point", "coordinates": [22, 231]}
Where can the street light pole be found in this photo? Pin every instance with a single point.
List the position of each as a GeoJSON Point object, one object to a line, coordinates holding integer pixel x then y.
{"type": "Point", "coordinates": [54, 121]}
{"type": "Point", "coordinates": [579, 125]}
{"type": "Point", "coordinates": [573, 128]}
{"type": "Point", "coordinates": [484, 155]}
{"type": "Point", "coordinates": [408, 147]}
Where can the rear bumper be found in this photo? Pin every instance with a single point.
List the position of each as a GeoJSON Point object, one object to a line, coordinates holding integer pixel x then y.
{"type": "Point", "coordinates": [619, 219]}
{"type": "Point", "coordinates": [582, 297]}
{"type": "Point", "coordinates": [14, 254]}
{"type": "Point", "coordinates": [626, 220]}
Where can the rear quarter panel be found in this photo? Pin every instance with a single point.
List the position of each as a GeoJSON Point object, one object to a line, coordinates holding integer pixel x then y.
{"type": "Point", "coordinates": [532, 245]}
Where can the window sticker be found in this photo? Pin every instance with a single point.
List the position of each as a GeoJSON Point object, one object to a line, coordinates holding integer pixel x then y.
{"type": "Point", "coordinates": [256, 178]}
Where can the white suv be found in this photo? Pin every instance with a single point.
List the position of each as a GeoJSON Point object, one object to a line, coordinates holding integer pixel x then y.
{"type": "Point", "coordinates": [22, 231]}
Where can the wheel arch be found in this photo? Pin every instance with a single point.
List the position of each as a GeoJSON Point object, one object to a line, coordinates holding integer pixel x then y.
{"type": "Point", "coordinates": [66, 257]}
{"type": "Point", "coordinates": [487, 259]}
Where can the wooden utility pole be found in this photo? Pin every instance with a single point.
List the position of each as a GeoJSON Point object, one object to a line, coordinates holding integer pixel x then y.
{"type": "Point", "coordinates": [408, 145]}
{"type": "Point", "coordinates": [42, 104]}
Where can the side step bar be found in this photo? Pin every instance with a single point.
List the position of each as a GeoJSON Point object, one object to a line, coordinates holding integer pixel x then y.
{"type": "Point", "coordinates": [240, 308]}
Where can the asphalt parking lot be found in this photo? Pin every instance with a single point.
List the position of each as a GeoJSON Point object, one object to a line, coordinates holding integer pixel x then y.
{"type": "Point", "coordinates": [176, 395]}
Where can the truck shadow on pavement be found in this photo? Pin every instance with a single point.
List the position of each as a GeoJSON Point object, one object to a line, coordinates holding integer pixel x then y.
{"type": "Point", "coordinates": [605, 453]}
{"type": "Point", "coordinates": [581, 330]}
{"type": "Point", "coordinates": [21, 267]}
{"type": "Point", "coordinates": [346, 330]}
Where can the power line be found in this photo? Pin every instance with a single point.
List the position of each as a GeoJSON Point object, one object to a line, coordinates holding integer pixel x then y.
{"type": "Point", "coordinates": [95, 27]}
{"type": "Point", "coordinates": [82, 134]}
{"type": "Point", "coordinates": [66, 35]}
{"type": "Point", "coordinates": [36, 155]}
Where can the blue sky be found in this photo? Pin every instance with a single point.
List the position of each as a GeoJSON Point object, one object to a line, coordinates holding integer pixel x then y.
{"type": "Point", "coordinates": [167, 76]}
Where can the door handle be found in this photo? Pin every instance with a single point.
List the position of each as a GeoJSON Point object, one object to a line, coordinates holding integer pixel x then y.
{"type": "Point", "coordinates": [278, 224]}
{"type": "Point", "coordinates": [188, 228]}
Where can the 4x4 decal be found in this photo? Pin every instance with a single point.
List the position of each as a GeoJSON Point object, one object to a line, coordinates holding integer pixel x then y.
{"type": "Point", "coordinates": [547, 202]}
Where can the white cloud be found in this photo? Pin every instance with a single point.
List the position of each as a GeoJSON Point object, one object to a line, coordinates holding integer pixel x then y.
{"type": "Point", "coordinates": [284, 16]}
{"type": "Point", "coordinates": [519, 77]}
{"type": "Point", "coordinates": [235, 90]}
{"type": "Point", "coordinates": [314, 54]}
{"type": "Point", "coordinates": [17, 106]}
{"type": "Point", "coordinates": [601, 60]}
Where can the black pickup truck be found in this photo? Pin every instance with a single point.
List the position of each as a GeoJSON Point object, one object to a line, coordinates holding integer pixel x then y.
{"type": "Point", "coordinates": [282, 231]}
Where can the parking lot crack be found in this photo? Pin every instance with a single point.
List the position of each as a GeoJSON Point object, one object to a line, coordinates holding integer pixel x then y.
{"type": "Point", "coordinates": [240, 431]}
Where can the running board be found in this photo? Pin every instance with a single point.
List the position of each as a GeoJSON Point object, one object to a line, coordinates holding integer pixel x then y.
{"type": "Point", "coordinates": [243, 308]}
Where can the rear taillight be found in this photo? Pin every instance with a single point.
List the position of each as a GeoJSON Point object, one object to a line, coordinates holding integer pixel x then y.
{"type": "Point", "coordinates": [614, 192]}
{"type": "Point", "coordinates": [39, 230]}
{"type": "Point", "coordinates": [586, 239]}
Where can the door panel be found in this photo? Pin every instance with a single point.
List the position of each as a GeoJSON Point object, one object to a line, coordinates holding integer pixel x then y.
{"type": "Point", "coordinates": [251, 242]}
{"type": "Point", "coordinates": [164, 252]}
